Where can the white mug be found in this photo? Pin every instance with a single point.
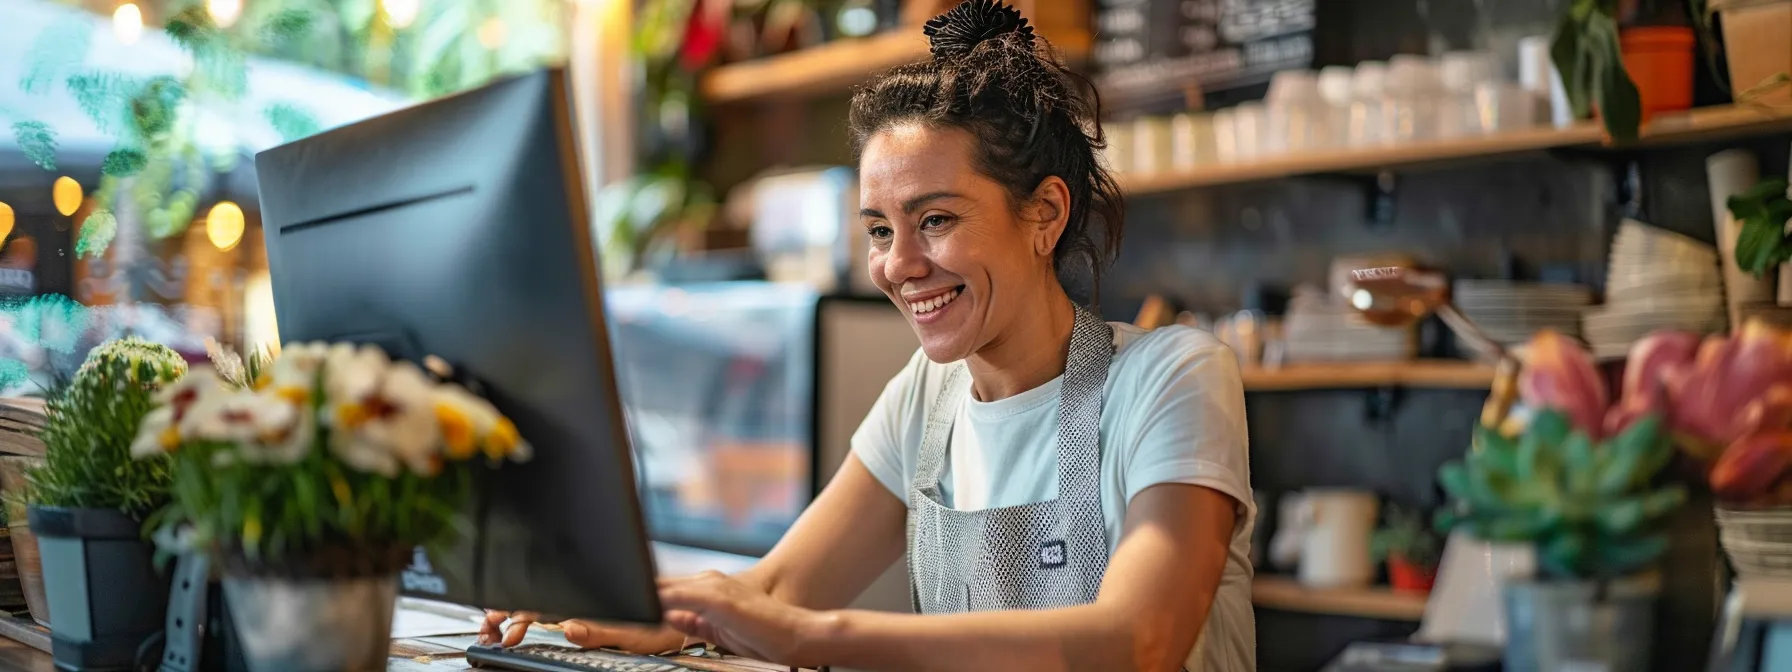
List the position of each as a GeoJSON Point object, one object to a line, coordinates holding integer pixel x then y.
{"type": "Point", "coordinates": [1335, 549]}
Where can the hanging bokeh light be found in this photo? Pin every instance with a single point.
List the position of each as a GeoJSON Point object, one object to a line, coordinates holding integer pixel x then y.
{"type": "Point", "coordinates": [67, 195]}
{"type": "Point", "coordinates": [224, 225]}
{"type": "Point", "coordinates": [224, 12]}
{"type": "Point", "coordinates": [127, 23]}
{"type": "Point", "coordinates": [400, 13]}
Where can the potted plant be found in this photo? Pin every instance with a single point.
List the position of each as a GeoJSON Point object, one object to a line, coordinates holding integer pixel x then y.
{"type": "Point", "coordinates": [311, 482]}
{"type": "Point", "coordinates": [1410, 548]}
{"type": "Point", "coordinates": [1762, 243]}
{"type": "Point", "coordinates": [1628, 59]}
{"type": "Point", "coordinates": [1584, 494]}
{"type": "Point", "coordinates": [88, 501]}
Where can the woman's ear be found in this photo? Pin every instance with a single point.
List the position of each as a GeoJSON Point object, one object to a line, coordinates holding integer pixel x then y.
{"type": "Point", "coordinates": [1050, 214]}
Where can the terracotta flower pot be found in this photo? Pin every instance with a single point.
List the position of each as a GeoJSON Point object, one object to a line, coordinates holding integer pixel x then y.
{"type": "Point", "coordinates": [1409, 577]}
{"type": "Point", "coordinates": [1660, 61]}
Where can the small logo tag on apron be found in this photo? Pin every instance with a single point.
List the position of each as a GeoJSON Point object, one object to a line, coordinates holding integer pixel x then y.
{"type": "Point", "coordinates": [1051, 554]}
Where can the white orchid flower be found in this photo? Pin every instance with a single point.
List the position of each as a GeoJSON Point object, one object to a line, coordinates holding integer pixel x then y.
{"type": "Point", "coordinates": [393, 425]}
{"type": "Point", "coordinates": [254, 422]}
{"type": "Point", "coordinates": [470, 424]}
{"type": "Point", "coordinates": [157, 435]}
{"type": "Point", "coordinates": [352, 374]}
{"type": "Point", "coordinates": [296, 367]}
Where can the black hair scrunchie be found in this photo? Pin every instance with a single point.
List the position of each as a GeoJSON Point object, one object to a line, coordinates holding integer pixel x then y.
{"type": "Point", "coordinates": [958, 31]}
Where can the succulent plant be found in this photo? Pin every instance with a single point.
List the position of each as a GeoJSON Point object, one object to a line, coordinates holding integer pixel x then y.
{"type": "Point", "coordinates": [1589, 507]}
{"type": "Point", "coordinates": [90, 426]}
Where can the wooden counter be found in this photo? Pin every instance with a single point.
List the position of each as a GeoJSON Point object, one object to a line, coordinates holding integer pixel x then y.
{"type": "Point", "coordinates": [407, 656]}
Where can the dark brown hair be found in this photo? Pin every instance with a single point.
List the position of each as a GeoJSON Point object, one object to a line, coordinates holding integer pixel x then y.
{"type": "Point", "coordinates": [1032, 118]}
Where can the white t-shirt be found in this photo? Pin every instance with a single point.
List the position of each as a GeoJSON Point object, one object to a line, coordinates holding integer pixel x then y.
{"type": "Point", "coordinates": [1173, 412]}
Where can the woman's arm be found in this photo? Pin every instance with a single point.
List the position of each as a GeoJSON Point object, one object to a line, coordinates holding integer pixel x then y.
{"type": "Point", "coordinates": [852, 532]}
{"type": "Point", "coordinates": [1152, 606]}
{"type": "Point", "coordinates": [845, 540]}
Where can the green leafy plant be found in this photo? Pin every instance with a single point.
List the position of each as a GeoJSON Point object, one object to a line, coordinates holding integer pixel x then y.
{"type": "Point", "coordinates": [325, 460]}
{"type": "Point", "coordinates": [1586, 52]}
{"type": "Point", "coordinates": [1407, 536]}
{"type": "Point", "coordinates": [1591, 509]}
{"type": "Point", "coordinates": [89, 428]}
{"type": "Point", "coordinates": [1763, 210]}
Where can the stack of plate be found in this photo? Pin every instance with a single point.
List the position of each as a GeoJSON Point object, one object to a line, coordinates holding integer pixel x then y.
{"type": "Point", "coordinates": [1657, 280]}
{"type": "Point", "coordinates": [1511, 312]}
{"type": "Point", "coordinates": [1320, 329]}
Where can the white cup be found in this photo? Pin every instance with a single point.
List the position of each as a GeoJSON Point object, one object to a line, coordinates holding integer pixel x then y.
{"type": "Point", "coordinates": [1335, 552]}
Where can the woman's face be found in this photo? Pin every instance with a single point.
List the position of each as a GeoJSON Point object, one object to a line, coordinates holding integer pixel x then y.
{"type": "Point", "coordinates": [946, 245]}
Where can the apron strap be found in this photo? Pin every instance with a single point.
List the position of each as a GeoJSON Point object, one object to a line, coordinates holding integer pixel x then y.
{"type": "Point", "coordinates": [937, 435]}
{"type": "Point", "coordinates": [1080, 395]}
{"type": "Point", "coordinates": [1080, 400]}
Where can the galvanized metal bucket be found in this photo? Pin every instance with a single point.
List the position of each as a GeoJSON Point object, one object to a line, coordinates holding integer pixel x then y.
{"type": "Point", "coordinates": [1565, 626]}
{"type": "Point", "coordinates": [313, 625]}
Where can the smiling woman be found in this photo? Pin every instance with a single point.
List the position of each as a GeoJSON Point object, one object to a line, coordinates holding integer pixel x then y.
{"type": "Point", "coordinates": [1071, 494]}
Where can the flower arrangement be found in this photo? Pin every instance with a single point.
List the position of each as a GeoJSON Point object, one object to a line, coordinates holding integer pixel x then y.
{"type": "Point", "coordinates": [1725, 401]}
{"type": "Point", "coordinates": [330, 459]}
{"type": "Point", "coordinates": [89, 427]}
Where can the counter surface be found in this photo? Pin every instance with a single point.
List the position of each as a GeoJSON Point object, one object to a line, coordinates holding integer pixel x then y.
{"type": "Point", "coordinates": [407, 656]}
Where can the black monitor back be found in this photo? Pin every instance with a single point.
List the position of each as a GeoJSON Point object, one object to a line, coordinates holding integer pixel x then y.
{"type": "Point", "coordinates": [458, 228]}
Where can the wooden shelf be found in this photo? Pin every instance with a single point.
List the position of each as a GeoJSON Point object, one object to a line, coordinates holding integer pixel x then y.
{"type": "Point", "coordinates": [832, 67]}
{"type": "Point", "coordinates": [1280, 592]}
{"type": "Point", "coordinates": [1446, 374]}
{"type": "Point", "coordinates": [1700, 125]}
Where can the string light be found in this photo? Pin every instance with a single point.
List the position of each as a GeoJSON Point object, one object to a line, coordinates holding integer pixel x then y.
{"type": "Point", "coordinates": [127, 23]}
{"type": "Point", "coordinates": [5, 221]}
{"type": "Point", "coordinates": [224, 12]}
{"type": "Point", "coordinates": [492, 33]}
{"type": "Point", "coordinates": [67, 195]}
{"type": "Point", "coordinates": [400, 13]}
{"type": "Point", "coordinates": [224, 225]}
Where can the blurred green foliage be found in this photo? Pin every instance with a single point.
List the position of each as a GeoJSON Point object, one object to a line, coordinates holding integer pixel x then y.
{"type": "Point", "coordinates": [1591, 509]}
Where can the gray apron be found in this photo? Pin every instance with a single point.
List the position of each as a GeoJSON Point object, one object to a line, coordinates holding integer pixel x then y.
{"type": "Point", "coordinates": [1033, 556]}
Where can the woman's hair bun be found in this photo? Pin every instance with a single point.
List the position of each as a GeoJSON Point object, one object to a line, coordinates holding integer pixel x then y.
{"type": "Point", "coordinates": [958, 31]}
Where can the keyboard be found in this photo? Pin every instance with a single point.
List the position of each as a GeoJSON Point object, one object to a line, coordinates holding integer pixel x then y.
{"type": "Point", "coordinates": [550, 658]}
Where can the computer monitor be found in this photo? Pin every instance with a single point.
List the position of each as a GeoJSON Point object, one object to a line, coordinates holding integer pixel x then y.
{"type": "Point", "coordinates": [458, 228]}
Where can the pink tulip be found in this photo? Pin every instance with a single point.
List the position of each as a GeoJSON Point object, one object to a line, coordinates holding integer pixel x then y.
{"type": "Point", "coordinates": [1735, 386]}
{"type": "Point", "coordinates": [1559, 375]}
{"type": "Point", "coordinates": [1659, 356]}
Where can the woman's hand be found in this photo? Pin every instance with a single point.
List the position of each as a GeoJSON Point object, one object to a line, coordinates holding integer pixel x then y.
{"type": "Point", "coordinates": [724, 611]}
{"type": "Point", "coordinates": [583, 634]}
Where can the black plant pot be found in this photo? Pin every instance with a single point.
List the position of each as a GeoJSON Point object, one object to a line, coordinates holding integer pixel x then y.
{"type": "Point", "coordinates": [102, 584]}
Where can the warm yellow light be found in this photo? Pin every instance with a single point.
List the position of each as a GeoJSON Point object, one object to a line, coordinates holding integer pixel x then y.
{"type": "Point", "coordinates": [224, 12]}
{"type": "Point", "coordinates": [5, 221]}
{"type": "Point", "coordinates": [127, 23]}
{"type": "Point", "coordinates": [224, 225]}
{"type": "Point", "coordinates": [67, 195]}
{"type": "Point", "coordinates": [400, 13]}
{"type": "Point", "coordinates": [493, 32]}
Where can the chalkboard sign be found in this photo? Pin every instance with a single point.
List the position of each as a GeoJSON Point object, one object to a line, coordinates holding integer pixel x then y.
{"type": "Point", "coordinates": [1149, 48]}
